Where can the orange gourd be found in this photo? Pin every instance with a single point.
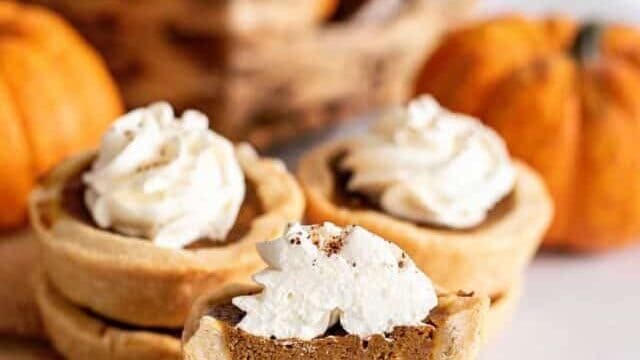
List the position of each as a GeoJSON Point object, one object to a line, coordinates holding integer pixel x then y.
{"type": "Point", "coordinates": [56, 98]}
{"type": "Point", "coordinates": [566, 99]}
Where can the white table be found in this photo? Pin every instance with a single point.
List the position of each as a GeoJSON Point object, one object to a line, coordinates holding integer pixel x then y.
{"type": "Point", "coordinates": [576, 307]}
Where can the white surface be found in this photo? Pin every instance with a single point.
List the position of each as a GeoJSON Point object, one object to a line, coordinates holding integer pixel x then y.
{"type": "Point", "coordinates": [575, 307]}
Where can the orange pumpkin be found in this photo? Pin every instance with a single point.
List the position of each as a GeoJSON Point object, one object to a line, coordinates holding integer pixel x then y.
{"type": "Point", "coordinates": [565, 98]}
{"type": "Point", "coordinates": [56, 97]}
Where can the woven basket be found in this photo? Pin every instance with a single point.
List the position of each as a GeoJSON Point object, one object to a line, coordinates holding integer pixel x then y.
{"type": "Point", "coordinates": [264, 70]}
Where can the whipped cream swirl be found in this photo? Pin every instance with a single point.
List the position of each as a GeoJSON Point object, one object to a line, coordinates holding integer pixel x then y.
{"type": "Point", "coordinates": [428, 165]}
{"type": "Point", "coordinates": [168, 179]}
{"type": "Point", "coordinates": [321, 274]}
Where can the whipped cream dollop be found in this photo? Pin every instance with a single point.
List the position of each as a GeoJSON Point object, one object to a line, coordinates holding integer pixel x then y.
{"type": "Point", "coordinates": [321, 274]}
{"type": "Point", "coordinates": [168, 179]}
{"type": "Point", "coordinates": [429, 165]}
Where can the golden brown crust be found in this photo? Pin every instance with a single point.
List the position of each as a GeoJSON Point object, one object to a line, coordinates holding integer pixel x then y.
{"type": "Point", "coordinates": [486, 259]}
{"type": "Point", "coordinates": [133, 281]}
{"type": "Point", "coordinates": [18, 310]}
{"type": "Point", "coordinates": [454, 333]}
{"type": "Point", "coordinates": [79, 336]}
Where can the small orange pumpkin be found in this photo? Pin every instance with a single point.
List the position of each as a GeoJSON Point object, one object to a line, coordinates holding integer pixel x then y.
{"type": "Point", "coordinates": [56, 97]}
{"type": "Point", "coordinates": [565, 98]}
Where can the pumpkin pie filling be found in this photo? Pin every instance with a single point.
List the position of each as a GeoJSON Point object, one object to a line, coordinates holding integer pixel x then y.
{"type": "Point", "coordinates": [431, 340]}
{"type": "Point", "coordinates": [73, 204]}
{"type": "Point", "coordinates": [354, 200]}
{"type": "Point", "coordinates": [335, 343]}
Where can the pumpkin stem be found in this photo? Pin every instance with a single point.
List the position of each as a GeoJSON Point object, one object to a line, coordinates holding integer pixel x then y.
{"type": "Point", "coordinates": [586, 46]}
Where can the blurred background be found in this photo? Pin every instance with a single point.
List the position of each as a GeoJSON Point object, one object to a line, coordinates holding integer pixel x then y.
{"type": "Point", "coordinates": [295, 75]}
{"type": "Point", "coordinates": [618, 10]}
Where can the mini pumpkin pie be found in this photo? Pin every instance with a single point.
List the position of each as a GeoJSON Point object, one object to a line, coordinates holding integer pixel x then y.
{"type": "Point", "coordinates": [334, 293]}
{"type": "Point", "coordinates": [440, 185]}
{"type": "Point", "coordinates": [164, 209]}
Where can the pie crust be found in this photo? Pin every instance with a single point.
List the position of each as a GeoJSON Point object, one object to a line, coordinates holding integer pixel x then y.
{"type": "Point", "coordinates": [78, 335]}
{"type": "Point", "coordinates": [18, 310]}
{"type": "Point", "coordinates": [501, 311]}
{"type": "Point", "coordinates": [133, 281]}
{"type": "Point", "coordinates": [453, 331]}
{"type": "Point", "coordinates": [486, 259]}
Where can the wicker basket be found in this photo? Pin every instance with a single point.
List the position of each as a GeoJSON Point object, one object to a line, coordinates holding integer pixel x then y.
{"type": "Point", "coordinates": [264, 70]}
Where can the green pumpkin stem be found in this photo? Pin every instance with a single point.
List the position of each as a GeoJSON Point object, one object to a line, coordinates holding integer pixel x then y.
{"type": "Point", "coordinates": [586, 46]}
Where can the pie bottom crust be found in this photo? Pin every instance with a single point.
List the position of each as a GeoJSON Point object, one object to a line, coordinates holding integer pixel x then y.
{"type": "Point", "coordinates": [18, 310]}
{"type": "Point", "coordinates": [455, 333]}
{"type": "Point", "coordinates": [135, 282]}
{"type": "Point", "coordinates": [78, 335]}
{"type": "Point", "coordinates": [486, 259]}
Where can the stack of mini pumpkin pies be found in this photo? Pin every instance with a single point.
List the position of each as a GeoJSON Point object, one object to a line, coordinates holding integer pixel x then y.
{"type": "Point", "coordinates": [107, 295]}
